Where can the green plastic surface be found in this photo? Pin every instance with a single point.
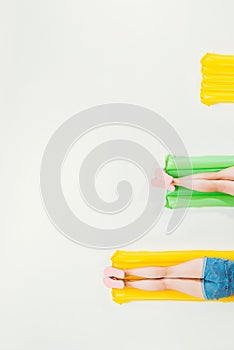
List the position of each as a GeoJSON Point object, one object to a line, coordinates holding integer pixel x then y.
{"type": "Point", "coordinates": [177, 166]}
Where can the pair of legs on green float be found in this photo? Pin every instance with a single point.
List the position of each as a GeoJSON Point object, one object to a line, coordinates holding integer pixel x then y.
{"type": "Point", "coordinates": [220, 181]}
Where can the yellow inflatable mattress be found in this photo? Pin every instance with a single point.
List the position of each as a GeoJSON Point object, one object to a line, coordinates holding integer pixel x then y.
{"type": "Point", "coordinates": [124, 259]}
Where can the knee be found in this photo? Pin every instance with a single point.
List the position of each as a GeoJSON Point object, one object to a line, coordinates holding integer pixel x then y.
{"type": "Point", "coordinates": [221, 187]}
{"type": "Point", "coordinates": [166, 271]}
{"type": "Point", "coordinates": [167, 283]}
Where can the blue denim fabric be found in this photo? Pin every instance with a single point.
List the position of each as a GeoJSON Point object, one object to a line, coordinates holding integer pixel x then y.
{"type": "Point", "coordinates": [218, 278]}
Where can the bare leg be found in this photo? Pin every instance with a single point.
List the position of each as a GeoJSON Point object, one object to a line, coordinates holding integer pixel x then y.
{"type": "Point", "coordinates": [150, 285]}
{"type": "Point", "coordinates": [147, 272]}
{"type": "Point", "coordinates": [187, 286]}
{"type": "Point", "coordinates": [225, 174]}
{"type": "Point", "coordinates": [224, 186]}
{"type": "Point", "coordinates": [189, 269]}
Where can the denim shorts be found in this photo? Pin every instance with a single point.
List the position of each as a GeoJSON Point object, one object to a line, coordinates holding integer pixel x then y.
{"type": "Point", "coordinates": [218, 278]}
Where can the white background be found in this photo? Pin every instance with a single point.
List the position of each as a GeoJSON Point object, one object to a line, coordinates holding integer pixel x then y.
{"type": "Point", "coordinates": [58, 58]}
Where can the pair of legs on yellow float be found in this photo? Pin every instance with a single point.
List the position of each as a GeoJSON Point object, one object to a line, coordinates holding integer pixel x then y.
{"type": "Point", "coordinates": [185, 277]}
{"type": "Point", "coordinates": [204, 278]}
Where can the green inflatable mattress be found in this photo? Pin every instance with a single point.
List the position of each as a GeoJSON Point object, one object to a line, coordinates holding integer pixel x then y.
{"type": "Point", "coordinates": [178, 166]}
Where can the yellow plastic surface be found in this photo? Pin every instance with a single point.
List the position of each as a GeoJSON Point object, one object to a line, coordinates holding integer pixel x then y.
{"type": "Point", "coordinates": [127, 260]}
{"type": "Point", "coordinates": [217, 84]}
